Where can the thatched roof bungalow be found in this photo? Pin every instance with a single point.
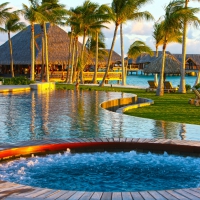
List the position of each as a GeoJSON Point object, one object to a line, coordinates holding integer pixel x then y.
{"type": "Point", "coordinates": [192, 60]}
{"type": "Point", "coordinates": [143, 60]}
{"type": "Point", "coordinates": [172, 65]}
{"type": "Point", "coordinates": [58, 47]}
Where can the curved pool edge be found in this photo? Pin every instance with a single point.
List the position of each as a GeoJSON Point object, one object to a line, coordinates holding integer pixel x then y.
{"type": "Point", "coordinates": [124, 104]}
{"type": "Point", "coordinates": [13, 191]}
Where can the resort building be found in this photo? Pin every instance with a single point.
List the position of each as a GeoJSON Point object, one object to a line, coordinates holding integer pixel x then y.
{"type": "Point", "coordinates": [58, 52]}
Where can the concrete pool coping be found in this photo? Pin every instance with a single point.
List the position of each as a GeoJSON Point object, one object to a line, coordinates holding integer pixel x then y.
{"type": "Point", "coordinates": [15, 191]}
{"type": "Point", "coordinates": [14, 88]}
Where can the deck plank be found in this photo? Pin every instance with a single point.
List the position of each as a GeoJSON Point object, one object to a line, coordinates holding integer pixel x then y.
{"type": "Point", "coordinates": [192, 192]}
{"type": "Point", "coordinates": [86, 196]}
{"type": "Point", "coordinates": [136, 196]}
{"type": "Point", "coordinates": [57, 194]}
{"type": "Point", "coordinates": [47, 194]}
{"type": "Point", "coordinates": [67, 195]}
{"type": "Point", "coordinates": [76, 195]}
{"type": "Point", "coordinates": [106, 196]}
{"type": "Point", "coordinates": [126, 196]}
{"type": "Point", "coordinates": [116, 196]}
{"type": "Point", "coordinates": [96, 196]}
{"type": "Point", "coordinates": [188, 195]}
{"type": "Point", "coordinates": [15, 192]}
{"type": "Point", "coordinates": [31, 191]}
{"type": "Point", "coordinates": [35, 194]}
{"type": "Point", "coordinates": [177, 195]}
{"type": "Point", "coordinates": [146, 196]}
{"type": "Point", "coordinates": [156, 195]}
{"type": "Point", "coordinates": [167, 195]}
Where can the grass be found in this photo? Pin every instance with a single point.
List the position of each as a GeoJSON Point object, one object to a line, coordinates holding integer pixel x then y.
{"type": "Point", "coordinates": [170, 107]}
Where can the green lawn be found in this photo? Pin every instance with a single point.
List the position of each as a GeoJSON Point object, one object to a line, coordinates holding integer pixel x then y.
{"type": "Point", "coordinates": [170, 107]}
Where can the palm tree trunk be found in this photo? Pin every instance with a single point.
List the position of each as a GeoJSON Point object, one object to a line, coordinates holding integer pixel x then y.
{"type": "Point", "coordinates": [72, 67]}
{"type": "Point", "coordinates": [156, 51]}
{"type": "Point", "coordinates": [182, 88]}
{"type": "Point", "coordinates": [96, 59]}
{"type": "Point", "coordinates": [11, 56]}
{"type": "Point", "coordinates": [76, 63]}
{"type": "Point", "coordinates": [82, 56]}
{"type": "Point", "coordinates": [160, 89]}
{"type": "Point", "coordinates": [43, 43]}
{"type": "Point", "coordinates": [70, 53]}
{"type": "Point", "coordinates": [198, 78]}
{"type": "Point", "coordinates": [110, 56]}
{"type": "Point", "coordinates": [122, 56]}
{"type": "Point", "coordinates": [46, 52]}
{"type": "Point", "coordinates": [32, 77]}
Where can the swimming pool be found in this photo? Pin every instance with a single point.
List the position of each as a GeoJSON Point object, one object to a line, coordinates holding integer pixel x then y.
{"type": "Point", "coordinates": [71, 114]}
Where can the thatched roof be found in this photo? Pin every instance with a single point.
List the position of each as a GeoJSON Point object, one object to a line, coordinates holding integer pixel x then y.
{"type": "Point", "coordinates": [58, 47]}
{"type": "Point", "coordinates": [145, 58]}
{"type": "Point", "coordinates": [194, 57]}
{"type": "Point", "coordinates": [172, 65]}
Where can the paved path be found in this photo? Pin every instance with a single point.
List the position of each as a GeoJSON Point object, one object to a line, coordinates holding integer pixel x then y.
{"type": "Point", "coordinates": [14, 191]}
{"type": "Point", "coordinates": [14, 88]}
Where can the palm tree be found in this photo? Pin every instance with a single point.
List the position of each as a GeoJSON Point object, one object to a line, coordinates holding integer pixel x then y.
{"type": "Point", "coordinates": [54, 13]}
{"type": "Point", "coordinates": [12, 25]}
{"type": "Point", "coordinates": [170, 31]}
{"type": "Point", "coordinates": [103, 13]}
{"type": "Point", "coordinates": [74, 22]}
{"type": "Point", "coordinates": [4, 12]}
{"type": "Point", "coordinates": [121, 12]}
{"type": "Point", "coordinates": [192, 20]}
{"type": "Point", "coordinates": [33, 15]}
{"type": "Point", "coordinates": [138, 48]}
{"type": "Point", "coordinates": [157, 36]}
{"type": "Point", "coordinates": [90, 20]}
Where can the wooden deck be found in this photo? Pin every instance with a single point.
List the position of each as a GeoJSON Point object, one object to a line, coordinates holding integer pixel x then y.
{"type": "Point", "coordinates": [14, 191]}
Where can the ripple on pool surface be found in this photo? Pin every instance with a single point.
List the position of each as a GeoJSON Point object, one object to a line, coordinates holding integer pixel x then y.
{"type": "Point", "coordinates": [123, 171]}
{"type": "Point", "coordinates": [71, 114]}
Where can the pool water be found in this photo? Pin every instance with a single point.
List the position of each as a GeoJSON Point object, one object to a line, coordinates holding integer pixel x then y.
{"type": "Point", "coordinates": [121, 171]}
{"type": "Point", "coordinates": [71, 114]}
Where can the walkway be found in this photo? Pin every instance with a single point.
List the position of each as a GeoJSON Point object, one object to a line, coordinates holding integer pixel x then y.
{"type": "Point", "coordinates": [14, 88]}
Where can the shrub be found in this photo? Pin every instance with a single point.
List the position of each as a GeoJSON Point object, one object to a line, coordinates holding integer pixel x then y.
{"type": "Point", "coordinates": [187, 87]}
{"type": "Point", "coordinates": [197, 86]}
{"type": "Point", "coordinates": [20, 80]}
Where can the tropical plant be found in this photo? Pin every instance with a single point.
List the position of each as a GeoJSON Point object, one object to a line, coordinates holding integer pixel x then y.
{"type": "Point", "coordinates": [171, 31]}
{"type": "Point", "coordinates": [74, 22]}
{"type": "Point", "coordinates": [157, 36]}
{"type": "Point", "coordinates": [4, 12]}
{"type": "Point", "coordinates": [12, 25]}
{"type": "Point", "coordinates": [138, 48]}
{"type": "Point", "coordinates": [192, 20]}
{"type": "Point", "coordinates": [54, 13]}
{"type": "Point", "coordinates": [122, 11]}
{"type": "Point", "coordinates": [90, 20]}
{"type": "Point", "coordinates": [33, 15]}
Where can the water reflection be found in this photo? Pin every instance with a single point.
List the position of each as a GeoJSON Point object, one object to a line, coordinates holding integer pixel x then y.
{"type": "Point", "coordinates": [76, 113]}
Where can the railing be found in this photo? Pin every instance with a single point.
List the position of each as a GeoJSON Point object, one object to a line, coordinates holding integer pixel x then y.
{"type": "Point", "coordinates": [87, 76]}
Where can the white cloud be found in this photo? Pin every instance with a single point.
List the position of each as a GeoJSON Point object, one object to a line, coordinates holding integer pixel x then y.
{"type": "Point", "coordinates": [139, 28]}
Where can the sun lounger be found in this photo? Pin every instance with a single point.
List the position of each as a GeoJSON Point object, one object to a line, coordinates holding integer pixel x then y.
{"type": "Point", "coordinates": [195, 101]}
{"type": "Point", "coordinates": [152, 86]}
{"type": "Point", "coordinates": [168, 87]}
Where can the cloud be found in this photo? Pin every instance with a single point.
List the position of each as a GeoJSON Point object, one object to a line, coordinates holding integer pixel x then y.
{"type": "Point", "coordinates": [138, 28]}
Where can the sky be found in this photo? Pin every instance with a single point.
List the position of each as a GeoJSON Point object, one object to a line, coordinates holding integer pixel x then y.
{"type": "Point", "coordinates": [133, 30]}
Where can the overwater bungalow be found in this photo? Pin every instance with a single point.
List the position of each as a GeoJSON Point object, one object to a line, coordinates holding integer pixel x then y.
{"type": "Point", "coordinates": [142, 61]}
{"type": "Point", "coordinates": [172, 65]}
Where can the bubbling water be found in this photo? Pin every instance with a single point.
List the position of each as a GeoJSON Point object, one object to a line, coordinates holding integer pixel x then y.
{"type": "Point", "coordinates": [121, 171]}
